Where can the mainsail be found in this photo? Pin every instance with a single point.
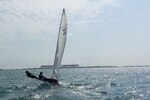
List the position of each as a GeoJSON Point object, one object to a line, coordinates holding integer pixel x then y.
{"type": "Point", "coordinates": [61, 41]}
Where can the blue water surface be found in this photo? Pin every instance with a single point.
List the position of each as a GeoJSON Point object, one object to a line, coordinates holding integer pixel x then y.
{"type": "Point", "coordinates": [120, 83]}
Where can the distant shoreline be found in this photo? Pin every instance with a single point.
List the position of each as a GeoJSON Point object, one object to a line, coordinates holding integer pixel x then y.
{"type": "Point", "coordinates": [91, 67]}
{"type": "Point", "coordinates": [80, 67]}
{"type": "Point", "coordinates": [83, 67]}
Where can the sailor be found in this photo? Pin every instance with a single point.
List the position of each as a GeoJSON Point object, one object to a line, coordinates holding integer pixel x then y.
{"type": "Point", "coordinates": [50, 80]}
{"type": "Point", "coordinates": [41, 76]}
{"type": "Point", "coordinates": [30, 75]}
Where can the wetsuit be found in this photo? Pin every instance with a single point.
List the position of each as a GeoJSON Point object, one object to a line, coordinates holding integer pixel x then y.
{"type": "Point", "coordinates": [41, 77]}
{"type": "Point", "coordinates": [30, 75]}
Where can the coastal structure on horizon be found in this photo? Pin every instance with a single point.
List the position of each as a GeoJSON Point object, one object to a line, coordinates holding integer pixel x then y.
{"type": "Point", "coordinates": [77, 66]}
{"type": "Point", "coordinates": [62, 66]}
{"type": "Point", "coordinates": [74, 66]}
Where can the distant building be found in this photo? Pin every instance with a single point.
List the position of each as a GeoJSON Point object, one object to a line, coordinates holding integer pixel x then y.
{"type": "Point", "coordinates": [46, 66]}
{"type": "Point", "coordinates": [70, 65]}
{"type": "Point", "coordinates": [62, 66]}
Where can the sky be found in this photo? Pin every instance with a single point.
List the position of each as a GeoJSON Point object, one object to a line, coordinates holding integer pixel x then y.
{"type": "Point", "coordinates": [100, 32]}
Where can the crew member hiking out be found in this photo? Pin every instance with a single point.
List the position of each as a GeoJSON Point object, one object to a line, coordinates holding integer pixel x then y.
{"type": "Point", "coordinates": [50, 80]}
{"type": "Point", "coordinates": [30, 75]}
{"type": "Point", "coordinates": [41, 76]}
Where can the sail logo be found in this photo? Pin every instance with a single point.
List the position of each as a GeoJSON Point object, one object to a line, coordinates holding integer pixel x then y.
{"type": "Point", "coordinates": [64, 31]}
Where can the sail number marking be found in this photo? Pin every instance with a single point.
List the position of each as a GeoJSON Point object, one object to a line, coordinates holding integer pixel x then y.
{"type": "Point", "coordinates": [64, 31]}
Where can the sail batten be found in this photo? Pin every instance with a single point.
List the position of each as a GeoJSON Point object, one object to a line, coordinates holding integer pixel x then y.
{"type": "Point", "coordinates": [61, 41]}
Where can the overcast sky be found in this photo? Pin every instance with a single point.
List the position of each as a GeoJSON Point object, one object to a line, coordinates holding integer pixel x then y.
{"type": "Point", "coordinates": [100, 32]}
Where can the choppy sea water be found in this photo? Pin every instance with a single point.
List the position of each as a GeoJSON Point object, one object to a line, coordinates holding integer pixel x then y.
{"type": "Point", "coordinates": [126, 83]}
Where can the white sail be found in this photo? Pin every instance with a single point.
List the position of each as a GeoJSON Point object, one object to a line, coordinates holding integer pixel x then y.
{"type": "Point", "coordinates": [61, 41]}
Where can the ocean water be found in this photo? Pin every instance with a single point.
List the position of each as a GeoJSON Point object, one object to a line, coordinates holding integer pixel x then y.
{"type": "Point", "coordinates": [126, 83]}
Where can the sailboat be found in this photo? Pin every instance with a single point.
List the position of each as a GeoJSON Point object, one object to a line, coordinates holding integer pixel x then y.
{"type": "Point", "coordinates": [61, 42]}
